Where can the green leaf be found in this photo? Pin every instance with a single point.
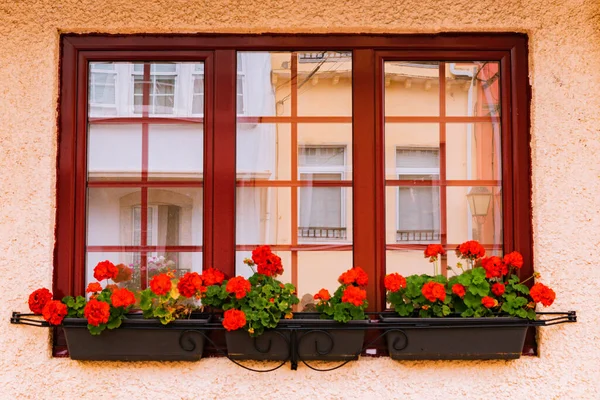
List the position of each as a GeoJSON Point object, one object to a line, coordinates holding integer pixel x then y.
{"type": "Point", "coordinates": [96, 330]}
{"type": "Point", "coordinates": [114, 323]}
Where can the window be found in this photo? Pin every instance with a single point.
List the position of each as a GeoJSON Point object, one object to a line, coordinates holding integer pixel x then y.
{"type": "Point", "coordinates": [333, 150]}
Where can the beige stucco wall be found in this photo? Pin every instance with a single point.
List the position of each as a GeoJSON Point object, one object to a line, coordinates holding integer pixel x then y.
{"type": "Point", "coordinates": [565, 74]}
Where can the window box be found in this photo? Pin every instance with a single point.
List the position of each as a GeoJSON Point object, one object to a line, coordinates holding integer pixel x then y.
{"type": "Point", "coordinates": [177, 341]}
{"type": "Point", "coordinates": [304, 338]}
{"type": "Point", "coordinates": [457, 338]}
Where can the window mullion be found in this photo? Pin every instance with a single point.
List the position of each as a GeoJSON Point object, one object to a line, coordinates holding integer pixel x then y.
{"type": "Point", "coordinates": [364, 167]}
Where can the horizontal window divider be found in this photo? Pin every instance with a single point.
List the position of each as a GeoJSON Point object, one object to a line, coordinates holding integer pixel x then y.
{"type": "Point", "coordinates": [422, 246]}
{"type": "Point", "coordinates": [127, 249]}
{"type": "Point", "coordinates": [297, 119]}
{"type": "Point", "coordinates": [265, 183]}
{"type": "Point", "coordinates": [408, 182]}
{"type": "Point", "coordinates": [299, 247]}
{"type": "Point", "coordinates": [108, 184]}
{"type": "Point", "coordinates": [147, 120]}
{"type": "Point", "coordinates": [440, 119]}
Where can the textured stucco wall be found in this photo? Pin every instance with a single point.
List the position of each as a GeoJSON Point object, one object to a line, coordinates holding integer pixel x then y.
{"type": "Point", "coordinates": [565, 74]}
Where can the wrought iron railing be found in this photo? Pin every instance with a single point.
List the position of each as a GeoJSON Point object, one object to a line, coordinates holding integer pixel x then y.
{"type": "Point", "coordinates": [417, 235]}
{"type": "Point", "coordinates": [318, 232]}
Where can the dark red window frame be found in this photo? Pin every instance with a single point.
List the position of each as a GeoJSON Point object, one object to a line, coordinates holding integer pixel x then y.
{"type": "Point", "coordinates": [219, 54]}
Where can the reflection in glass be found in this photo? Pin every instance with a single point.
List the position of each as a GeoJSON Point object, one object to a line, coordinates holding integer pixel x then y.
{"type": "Point", "coordinates": [412, 88]}
{"type": "Point", "coordinates": [263, 151]}
{"type": "Point", "coordinates": [263, 215]}
{"type": "Point", "coordinates": [114, 151]}
{"type": "Point", "coordinates": [463, 226]}
{"type": "Point", "coordinates": [175, 151]}
{"type": "Point", "coordinates": [411, 149]}
{"type": "Point", "coordinates": [473, 88]}
{"type": "Point", "coordinates": [473, 151]}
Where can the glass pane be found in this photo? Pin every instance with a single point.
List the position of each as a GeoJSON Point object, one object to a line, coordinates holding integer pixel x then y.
{"type": "Point", "coordinates": [473, 88]}
{"type": "Point", "coordinates": [263, 215]}
{"type": "Point", "coordinates": [265, 86]}
{"type": "Point", "coordinates": [263, 151]}
{"type": "Point", "coordinates": [413, 214]}
{"type": "Point", "coordinates": [411, 149]}
{"type": "Point", "coordinates": [174, 217]}
{"type": "Point", "coordinates": [473, 151]}
{"type": "Point", "coordinates": [324, 83]}
{"type": "Point", "coordinates": [462, 226]}
{"type": "Point", "coordinates": [324, 214]}
{"type": "Point", "coordinates": [129, 266]}
{"type": "Point", "coordinates": [175, 152]}
{"type": "Point", "coordinates": [325, 148]}
{"type": "Point", "coordinates": [407, 262]}
{"type": "Point", "coordinates": [114, 151]}
{"type": "Point", "coordinates": [412, 88]}
{"type": "Point", "coordinates": [318, 270]}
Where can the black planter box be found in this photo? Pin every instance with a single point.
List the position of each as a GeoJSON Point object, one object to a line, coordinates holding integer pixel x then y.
{"type": "Point", "coordinates": [304, 338]}
{"type": "Point", "coordinates": [137, 339]}
{"type": "Point", "coordinates": [455, 338]}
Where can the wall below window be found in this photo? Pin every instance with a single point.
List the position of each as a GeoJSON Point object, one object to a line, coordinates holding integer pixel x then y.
{"type": "Point", "coordinates": [565, 76]}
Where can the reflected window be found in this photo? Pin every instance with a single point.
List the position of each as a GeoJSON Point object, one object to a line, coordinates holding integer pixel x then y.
{"type": "Point", "coordinates": [418, 206]}
{"type": "Point", "coordinates": [321, 209]}
{"type": "Point", "coordinates": [102, 89]}
{"type": "Point", "coordinates": [163, 79]}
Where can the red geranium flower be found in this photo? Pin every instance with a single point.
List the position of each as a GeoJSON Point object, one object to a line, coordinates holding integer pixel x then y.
{"type": "Point", "coordinates": [96, 312]}
{"type": "Point", "coordinates": [212, 276]}
{"type": "Point", "coordinates": [234, 319]}
{"type": "Point", "coordinates": [238, 286]}
{"type": "Point", "coordinates": [494, 267]}
{"type": "Point", "coordinates": [260, 254]}
{"type": "Point", "coordinates": [124, 273]}
{"type": "Point", "coordinates": [160, 284]}
{"type": "Point", "coordinates": [54, 312]}
{"type": "Point", "coordinates": [93, 287]}
{"type": "Point", "coordinates": [354, 275]}
{"type": "Point", "coordinates": [271, 266]}
{"type": "Point", "coordinates": [498, 289]}
{"type": "Point", "coordinates": [471, 250]}
{"type": "Point", "coordinates": [122, 298]}
{"type": "Point", "coordinates": [458, 290]}
{"type": "Point", "coordinates": [322, 295]}
{"type": "Point", "coordinates": [488, 302]}
{"type": "Point", "coordinates": [191, 285]}
{"type": "Point", "coordinates": [105, 270]}
{"type": "Point", "coordinates": [38, 299]}
{"type": "Point", "coordinates": [354, 295]}
{"type": "Point", "coordinates": [514, 259]}
{"type": "Point", "coordinates": [433, 251]}
{"type": "Point", "coordinates": [434, 291]}
{"type": "Point", "coordinates": [541, 293]}
{"type": "Point", "coordinates": [394, 282]}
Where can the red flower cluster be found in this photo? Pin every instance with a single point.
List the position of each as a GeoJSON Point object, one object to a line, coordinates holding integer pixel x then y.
{"type": "Point", "coordinates": [433, 251]}
{"type": "Point", "coordinates": [122, 298]}
{"type": "Point", "coordinates": [394, 282]}
{"type": "Point", "coordinates": [541, 293]}
{"type": "Point", "coordinates": [238, 286]}
{"type": "Point", "coordinates": [105, 270]}
{"type": "Point", "coordinates": [459, 290]}
{"type": "Point", "coordinates": [38, 299]}
{"type": "Point", "coordinates": [494, 267]}
{"type": "Point", "coordinates": [124, 273]}
{"type": "Point", "coordinates": [471, 250]}
{"type": "Point", "coordinates": [354, 275]}
{"type": "Point", "coordinates": [488, 302]}
{"type": "Point", "coordinates": [160, 284]}
{"type": "Point", "coordinates": [93, 287]}
{"type": "Point", "coordinates": [191, 285]}
{"type": "Point", "coordinates": [266, 262]}
{"type": "Point", "coordinates": [514, 259]}
{"type": "Point", "coordinates": [498, 289]}
{"type": "Point", "coordinates": [322, 295]}
{"type": "Point", "coordinates": [434, 291]}
{"type": "Point", "coordinates": [234, 319]}
{"type": "Point", "coordinates": [54, 312]}
{"type": "Point", "coordinates": [212, 276]}
{"type": "Point", "coordinates": [354, 295]}
{"type": "Point", "coordinates": [96, 312]}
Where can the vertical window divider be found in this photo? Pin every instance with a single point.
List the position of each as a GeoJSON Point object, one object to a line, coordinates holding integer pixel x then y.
{"type": "Point", "coordinates": [224, 144]}
{"type": "Point", "coordinates": [144, 190]}
{"type": "Point", "coordinates": [367, 219]}
{"type": "Point", "coordinates": [294, 166]}
{"type": "Point", "coordinates": [442, 177]}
